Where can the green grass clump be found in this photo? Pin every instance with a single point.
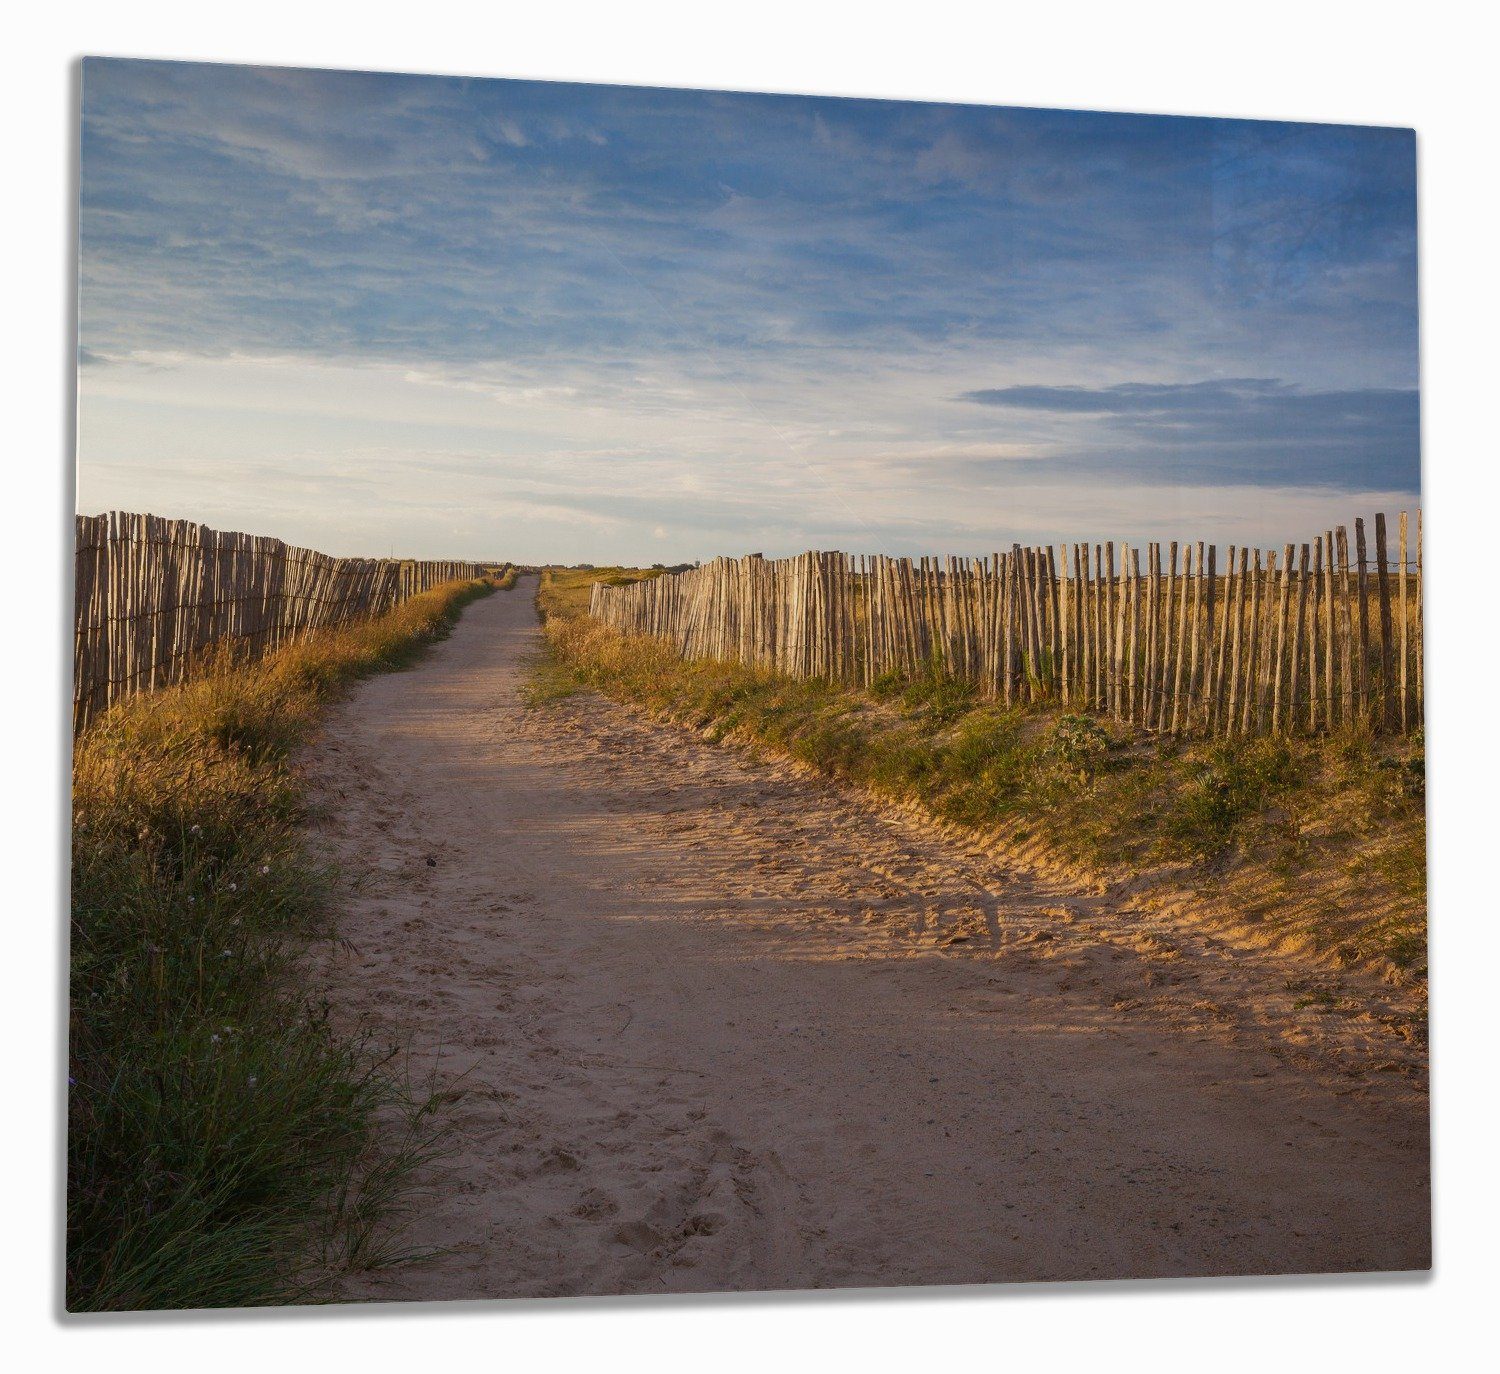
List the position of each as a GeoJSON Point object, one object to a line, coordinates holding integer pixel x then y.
{"type": "Point", "coordinates": [221, 1142]}
{"type": "Point", "coordinates": [1221, 788]}
{"type": "Point", "coordinates": [938, 698]}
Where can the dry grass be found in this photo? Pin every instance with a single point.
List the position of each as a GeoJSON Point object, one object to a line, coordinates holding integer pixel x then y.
{"type": "Point", "coordinates": [220, 1141]}
{"type": "Point", "coordinates": [1310, 844]}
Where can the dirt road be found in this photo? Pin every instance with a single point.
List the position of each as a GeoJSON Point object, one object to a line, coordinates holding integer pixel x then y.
{"type": "Point", "coordinates": [711, 1024]}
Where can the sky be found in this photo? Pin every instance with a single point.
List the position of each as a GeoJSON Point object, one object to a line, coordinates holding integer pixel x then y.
{"type": "Point", "coordinates": [443, 317]}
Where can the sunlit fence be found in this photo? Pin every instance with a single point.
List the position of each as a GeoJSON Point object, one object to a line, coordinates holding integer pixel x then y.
{"type": "Point", "coordinates": [1179, 637]}
{"type": "Point", "coordinates": [152, 595]}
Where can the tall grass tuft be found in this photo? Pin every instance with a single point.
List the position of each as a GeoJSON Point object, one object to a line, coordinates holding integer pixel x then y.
{"type": "Point", "coordinates": [222, 1148]}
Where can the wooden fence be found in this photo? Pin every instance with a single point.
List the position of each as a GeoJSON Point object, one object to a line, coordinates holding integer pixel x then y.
{"type": "Point", "coordinates": [150, 595]}
{"type": "Point", "coordinates": [1314, 637]}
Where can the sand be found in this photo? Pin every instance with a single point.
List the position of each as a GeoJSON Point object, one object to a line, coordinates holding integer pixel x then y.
{"type": "Point", "coordinates": [706, 1022]}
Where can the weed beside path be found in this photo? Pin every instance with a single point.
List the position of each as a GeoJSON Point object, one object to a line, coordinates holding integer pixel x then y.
{"type": "Point", "coordinates": [221, 1142]}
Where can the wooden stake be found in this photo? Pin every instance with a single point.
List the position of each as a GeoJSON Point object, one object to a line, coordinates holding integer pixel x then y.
{"type": "Point", "coordinates": [1347, 705]}
{"type": "Point", "coordinates": [1279, 664]}
{"type": "Point", "coordinates": [1363, 675]}
{"type": "Point", "coordinates": [1388, 711]}
{"type": "Point", "coordinates": [1405, 711]}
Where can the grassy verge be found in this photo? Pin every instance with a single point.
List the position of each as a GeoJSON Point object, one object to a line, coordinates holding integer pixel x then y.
{"type": "Point", "coordinates": [221, 1149]}
{"type": "Point", "coordinates": [1316, 844]}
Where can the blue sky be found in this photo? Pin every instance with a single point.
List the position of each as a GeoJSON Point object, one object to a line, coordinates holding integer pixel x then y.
{"type": "Point", "coordinates": [547, 321]}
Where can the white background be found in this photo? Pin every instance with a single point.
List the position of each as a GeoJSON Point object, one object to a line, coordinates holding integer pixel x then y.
{"type": "Point", "coordinates": [1426, 66]}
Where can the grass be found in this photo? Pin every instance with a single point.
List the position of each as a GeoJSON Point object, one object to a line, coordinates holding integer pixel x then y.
{"type": "Point", "coordinates": [1318, 843]}
{"type": "Point", "coordinates": [222, 1142]}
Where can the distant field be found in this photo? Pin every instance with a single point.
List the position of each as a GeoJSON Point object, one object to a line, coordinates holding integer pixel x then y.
{"type": "Point", "coordinates": [564, 592]}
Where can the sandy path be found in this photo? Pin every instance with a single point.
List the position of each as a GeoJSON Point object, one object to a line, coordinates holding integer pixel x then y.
{"type": "Point", "coordinates": [715, 1025]}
